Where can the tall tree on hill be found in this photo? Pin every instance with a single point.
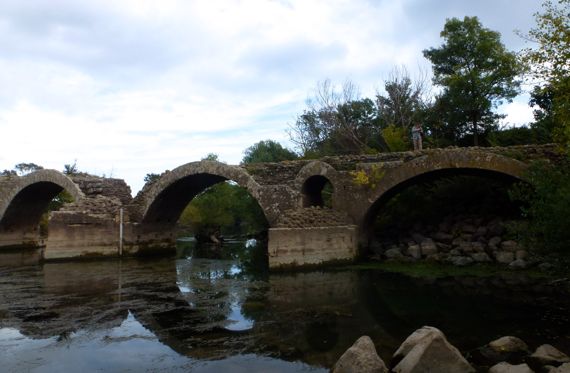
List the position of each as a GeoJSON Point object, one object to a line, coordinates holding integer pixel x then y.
{"type": "Point", "coordinates": [476, 72]}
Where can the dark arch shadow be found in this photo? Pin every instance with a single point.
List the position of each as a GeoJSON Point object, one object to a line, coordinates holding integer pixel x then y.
{"type": "Point", "coordinates": [170, 202]}
{"type": "Point", "coordinates": [376, 207]}
{"type": "Point", "coordinates": [25, 204]}
{"type": "Point", "coordinates": [312, 191]}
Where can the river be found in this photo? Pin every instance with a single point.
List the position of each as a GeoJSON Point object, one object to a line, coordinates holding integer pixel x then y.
{"type": "Point", "coordinates": [220, 310]}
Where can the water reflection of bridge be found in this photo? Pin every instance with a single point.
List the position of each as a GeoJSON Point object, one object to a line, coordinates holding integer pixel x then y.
{"type": "Point", "coordinates": [208, 309]}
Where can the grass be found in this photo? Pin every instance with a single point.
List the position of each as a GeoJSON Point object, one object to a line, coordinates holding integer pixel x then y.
{"type": "Point", "coordinates": [438, 270]}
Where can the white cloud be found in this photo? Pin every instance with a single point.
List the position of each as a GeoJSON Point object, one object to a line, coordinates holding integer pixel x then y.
{"type": "Point", "coordinates": [137, 86]}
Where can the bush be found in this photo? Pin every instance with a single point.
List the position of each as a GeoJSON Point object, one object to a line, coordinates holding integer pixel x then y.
{"type": "Point", "coordinates": [396, 138]}
{"type": "Point", "coordinates": [546, 205]}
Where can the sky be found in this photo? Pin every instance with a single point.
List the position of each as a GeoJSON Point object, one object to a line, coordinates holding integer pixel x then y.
{"type": "Point", "coordinates": [129, 87]}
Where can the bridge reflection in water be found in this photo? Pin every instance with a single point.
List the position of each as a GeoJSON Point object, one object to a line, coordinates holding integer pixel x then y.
{"type": "Point", "coordinates": [212, 314]}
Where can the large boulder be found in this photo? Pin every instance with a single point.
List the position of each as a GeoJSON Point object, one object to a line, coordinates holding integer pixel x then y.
{"type": "Point", "coordinates": [414, 251]}
{"type": "Point", "coordinates": [504, 257]}
{"type": "Point", "coordinates": [481, 257]}
{"type": "Point", "coordinates": [547, 355]}
{"type": "Point", "coordinates": [461, 261]}
{"type": "Point", "coordinates": [505, 349]}
{"type": "Point", "coordinates": [428, 247]}
{"type": "Point", "coordinates": [510, 245]}
{"type": "Point", "coordinates": [564, 368]}
{"type": "Point", "coordinates": [427, 350]}
{"type": "Point", "coordinates": [361, 357]}
{"type": "Point", "coordinates": [393, 253]}
{"type": "Point", "coordinates": [509, 344]}
{"type": "Point", "coordinates": [518, 264]}
{"type": "Point", "coordinates": [443, 237]}
{"type": "Point", "coordinates": [505, 367]}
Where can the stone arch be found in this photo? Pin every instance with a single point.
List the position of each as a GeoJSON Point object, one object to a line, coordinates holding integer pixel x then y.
{"type": "Point", "coordinates": [438, 164]}
{"type": "Point", "coordinates": [311, 179]}
{"type": "Point", "coordinates": [165, 199]}
{"type": "Point", "coordinates": [28, 197]}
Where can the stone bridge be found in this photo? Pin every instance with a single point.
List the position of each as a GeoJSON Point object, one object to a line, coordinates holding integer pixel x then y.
{"type": "Point", "coordinates": [104, 219]}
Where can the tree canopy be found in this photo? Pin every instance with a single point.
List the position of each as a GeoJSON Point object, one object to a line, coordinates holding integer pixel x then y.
{"type": "Point", "coordinates": [476, 73]}
{"type": "Point", "coordinates": [267, 151]}
{"type": "Point", "coordinates": [337, 121]}
{"type": "Point", "coordinates": [550, 64]}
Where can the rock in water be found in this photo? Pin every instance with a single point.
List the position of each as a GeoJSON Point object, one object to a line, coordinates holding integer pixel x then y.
{"type": "Point", "coordinates": [547, 355]}
{"type": "Point", "coordinates": [564, 368]}
{"type": "Point", "coordinates": [427, 350]}
{"type": "Point", "coordinates": [361, 357]}
{"type": "Point", "coordinates": [509, 344]}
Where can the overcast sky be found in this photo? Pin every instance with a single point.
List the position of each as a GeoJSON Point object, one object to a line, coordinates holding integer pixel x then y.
{"type": "Point", "coordinates": [129, 87]}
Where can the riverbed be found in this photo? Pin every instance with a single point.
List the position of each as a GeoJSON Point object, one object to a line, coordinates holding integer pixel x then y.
{"type": "Point", "coordinates": [219, 309]}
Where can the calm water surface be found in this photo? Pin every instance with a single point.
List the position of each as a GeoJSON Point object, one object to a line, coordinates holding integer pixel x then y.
{"type": "Point", "coordinates": [221, 313]}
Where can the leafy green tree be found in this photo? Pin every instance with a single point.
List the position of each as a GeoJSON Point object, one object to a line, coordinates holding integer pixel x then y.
{"type": "Point", "coordinates": [476, 73]}
{"type": "Point", "coordinates": [267, 151]}
{"type": "Point", "coordinates": [550, 62]}
{"type": "Point", "coordinates": [224, 208]}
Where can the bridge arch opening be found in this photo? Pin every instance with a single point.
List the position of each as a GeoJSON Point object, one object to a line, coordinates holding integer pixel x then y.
{"type": "Point", "coordinates": [208, 203]}
{"type": "Point", "coordinates": [317, 191]}
{"type": "Point", "coordinates": [24, 215]}
{"type": "Point", "coordinates": [467, 204]}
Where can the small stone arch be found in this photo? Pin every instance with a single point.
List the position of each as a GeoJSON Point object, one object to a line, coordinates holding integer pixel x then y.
{"type": "Point", "coordinates": [311, 179]}
{"type": "Point", "coordinates": [28, 196]}
{"type": "Point", "coordinates": [436, 164]}
{"type": "Point", "coordinates": [164, 200]}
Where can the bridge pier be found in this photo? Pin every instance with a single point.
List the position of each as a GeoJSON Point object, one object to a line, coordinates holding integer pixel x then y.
{"type": "Point", "coordinates": [313, 246]}
{"type": "Point", "coordinates": [21, 237]}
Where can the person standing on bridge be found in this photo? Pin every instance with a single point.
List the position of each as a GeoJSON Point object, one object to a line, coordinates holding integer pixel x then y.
{"type": "Point", "coordinates": [417, 133]}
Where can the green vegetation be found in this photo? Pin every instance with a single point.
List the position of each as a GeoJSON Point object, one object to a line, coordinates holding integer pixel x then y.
{"type": "Point", "coordinates": [476, 73]}
{"type": "Point", "coordinates": [550, 63]}
{"type": "Point", "coordinates": [225, 208]}
{"type": "Point", "coordinates": [150, 177]}
{"type": "Point", "coordinates": [546, 200]}
{"type": "Point", "coordinates": [438, 270]}
{"type": "Point", "coordinates": [267, 151]}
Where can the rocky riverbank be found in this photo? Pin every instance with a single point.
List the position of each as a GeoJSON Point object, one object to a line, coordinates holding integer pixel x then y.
{"type": "Point", "coordinates": [460, 240]}
{"type": "Point", "coordinates": [428, 350]}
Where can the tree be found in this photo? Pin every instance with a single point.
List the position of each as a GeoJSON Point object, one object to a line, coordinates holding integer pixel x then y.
{"type": "Point", "coordinates": [71, 169]}
{"type": "Point", "coordinates": [541, 99]}
{"type": "Point", "coordinates": [267, 151]}
{"type": "Point", "coordinates": [223, 208]}
{"type": "Point", "coordinates": [550, 62]}
{"type": "Point", "coordinates": [404, 100]}
{"type": "Point", "coordinates": [25, 168]}
{"type": "Point", "coordinates": [211, 157]}
{"type": "Point", "coordinates": [476, 72]}
{"type": "Point", "coordinates": [546, 205]}
{"type": "Point", "coordinates": [337, 121]}
{"type": "Point", "coordinates": [150, 177]}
